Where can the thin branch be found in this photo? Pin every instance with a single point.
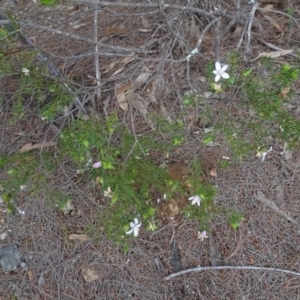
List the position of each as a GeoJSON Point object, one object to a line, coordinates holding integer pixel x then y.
{"type": "Point", "coordinates": [115, 49]}
{"type": "Point", "coordinates": [97, 67]}
{"type": "Point", "coordinates": [271, 204]}
{"type": "Point", "coordinates": [251, 17]}
{"type": "Point", "coordinates": [281, 13]}
{"type": "Point", "coordinates": [217, 40]}
{"type": "Point", "coordinates": [200, 40]}
{"type": "Point", "coordinates": [200, 269]}
{"type": "Point", "coordinates": [144, 5]}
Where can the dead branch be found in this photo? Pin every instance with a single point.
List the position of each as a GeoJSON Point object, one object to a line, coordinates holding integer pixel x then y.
{"type": "Point", "coordinates": [200, 269]}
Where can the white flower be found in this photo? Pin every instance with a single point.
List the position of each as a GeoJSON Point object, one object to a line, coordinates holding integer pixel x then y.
{"type": "Point", "coordinates": [108, 192]}
{"type": "Point", "coordinates": [220, 71]}
{"type": "Point", "coordinates": [88, 164]}
{"type": "Point", "coordinates": [135, 227]}
{"type": "Point", "coordinates": [25, 71]}
{"type": "Point", "coordinates": [263, 154]}
{"type": "Point", "coordinates": [195, 199]}
{"type": "Point", "coordinates": [21, 212]}
{"type": "Point", "coordinates": [23, 187]}
{"type": "Point", "coordinates": [202, 235]}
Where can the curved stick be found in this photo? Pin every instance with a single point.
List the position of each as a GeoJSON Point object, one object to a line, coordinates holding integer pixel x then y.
{"type": "Point", "coordinates": [199, 269]}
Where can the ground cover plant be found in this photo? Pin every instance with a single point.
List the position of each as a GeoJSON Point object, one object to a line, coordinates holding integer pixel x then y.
{"type": "Point", "coordinates": [132, 153]}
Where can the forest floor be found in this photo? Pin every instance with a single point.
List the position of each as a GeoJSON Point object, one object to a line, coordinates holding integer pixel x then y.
{"type": "Point", "coordinates": [136, 36]}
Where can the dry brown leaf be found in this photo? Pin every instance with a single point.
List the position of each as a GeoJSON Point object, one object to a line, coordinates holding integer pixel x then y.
{"type": "Point", "coordinates": [106, 68]}
{"type": "Point", "coordinates": [165, 113]}
{"type": "Point", "coordinates": [213, 172]}
{"type": "Point", "coordinates": [274, 23]}
{"type": "Point", "coordinates": [79, 237]}
{"type": "Point", "coordinates": [121, 98]}
{"type": "Point", "coordinates": [194, 29]}
{"type": "Point", "coordinates": [273, 54]}
{"type": "Point", "coordinates": [153, 91]}
{"type": "Point", "coordinates": [124, 62]}
{"type": "Point", "coordinates": [140, 106]}
{"type": "Point", "coordinates": [268, 6]}
{"type": "Point", "coordinates": [30, 275]}
{"type": "Point", "coordinates": [123, 88]}
{"type": "Point", "coordinates": [128, 58]}
{"type": "Point", "coordinates": [142, 78]}
{"type": "Point", "coordinates": [251, 260]}
{"type": "Point", "coordinates": [30, 146]}
{"type": "Point", "coordinates": [114, 31]}
{"type": "Point", "coordinates": [284, 92]}
{"type": "Point", "coordinates": [89, 274]}
{"type": "Point", "coordinates": [123, 94]}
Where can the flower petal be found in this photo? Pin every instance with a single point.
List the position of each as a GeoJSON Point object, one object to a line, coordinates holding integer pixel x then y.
{"type": "Point", "coordinates": [218, 66]}
{"type": "Point", "coordinates": [225, 75]}
{"type": "Point", "coordinates": [217, 78]}
{"type": "Point", "coordinates": [136, 221]}
{"type": "Point", "coordinates": [136, 231]}
{"type": "Point", "coordinates": [224, 68]}
{"type": "Point", "coordinates": [97, 165]}
{"type": "Point", "coordinates": [129, 231]}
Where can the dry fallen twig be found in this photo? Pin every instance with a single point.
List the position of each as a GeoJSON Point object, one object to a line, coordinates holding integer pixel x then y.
{"type": "Point", "coordinates": [199, 269]}
{"type": "Point", "coordinates": [260, 197]}
{"type": "Point", "coordinates": [251, 17]}
{"type": "Point", "coordinates": [97, 67]}
{"type": "Point", "coordinates": [29, 146]}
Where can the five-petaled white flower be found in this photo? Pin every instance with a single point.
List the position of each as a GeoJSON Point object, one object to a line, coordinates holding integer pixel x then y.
{"type": "Point", "coordinates": [202, 235]}
{"type": "Point", "coordinates": [220, 71]}
{"type": "Point", "coordinates": [195, 199]}
{"type": "Point", "coordinates": [25, 71]}
{"type": "Point", "coordinates": [135, 227]}
{"type": "Point", "coordinates": [97, 164]}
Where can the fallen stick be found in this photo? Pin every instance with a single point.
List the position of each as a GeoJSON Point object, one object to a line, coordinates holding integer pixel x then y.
{"type": "Point", "coordinates": [199, 269]}
{"type": "Point", "coordinates": [29, 146]}
{"type": "Point", "coordinates": [271, 204]}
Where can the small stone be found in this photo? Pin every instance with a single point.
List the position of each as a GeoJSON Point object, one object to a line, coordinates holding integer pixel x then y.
{"type": "Point", "coordinates": [207, 94]}
{"type": "Point", "coordinates": [10, 257]}
{"type": "Point", "coordinates": [3, 236]}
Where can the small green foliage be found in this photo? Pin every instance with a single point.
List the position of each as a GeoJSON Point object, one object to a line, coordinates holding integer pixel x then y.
{"type": "Point", "coordinates": [190, 99]}
{"type": "Point", "coordinates": [235, 219]}
{"type": "Point", "coordinates": [247, 73]}
{"type": "Point", "coordinates": [223, 163]}
{"type": "Point", "coordinates": [262, 109]}
{"type": "Point", "coordinates": [206, 192]}
{"type": "Point", "coordinates": [48, 2]}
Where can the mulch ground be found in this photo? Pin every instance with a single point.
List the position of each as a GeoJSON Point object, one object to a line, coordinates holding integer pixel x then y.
{"type": "Point", "coordinates": [136, 37]}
